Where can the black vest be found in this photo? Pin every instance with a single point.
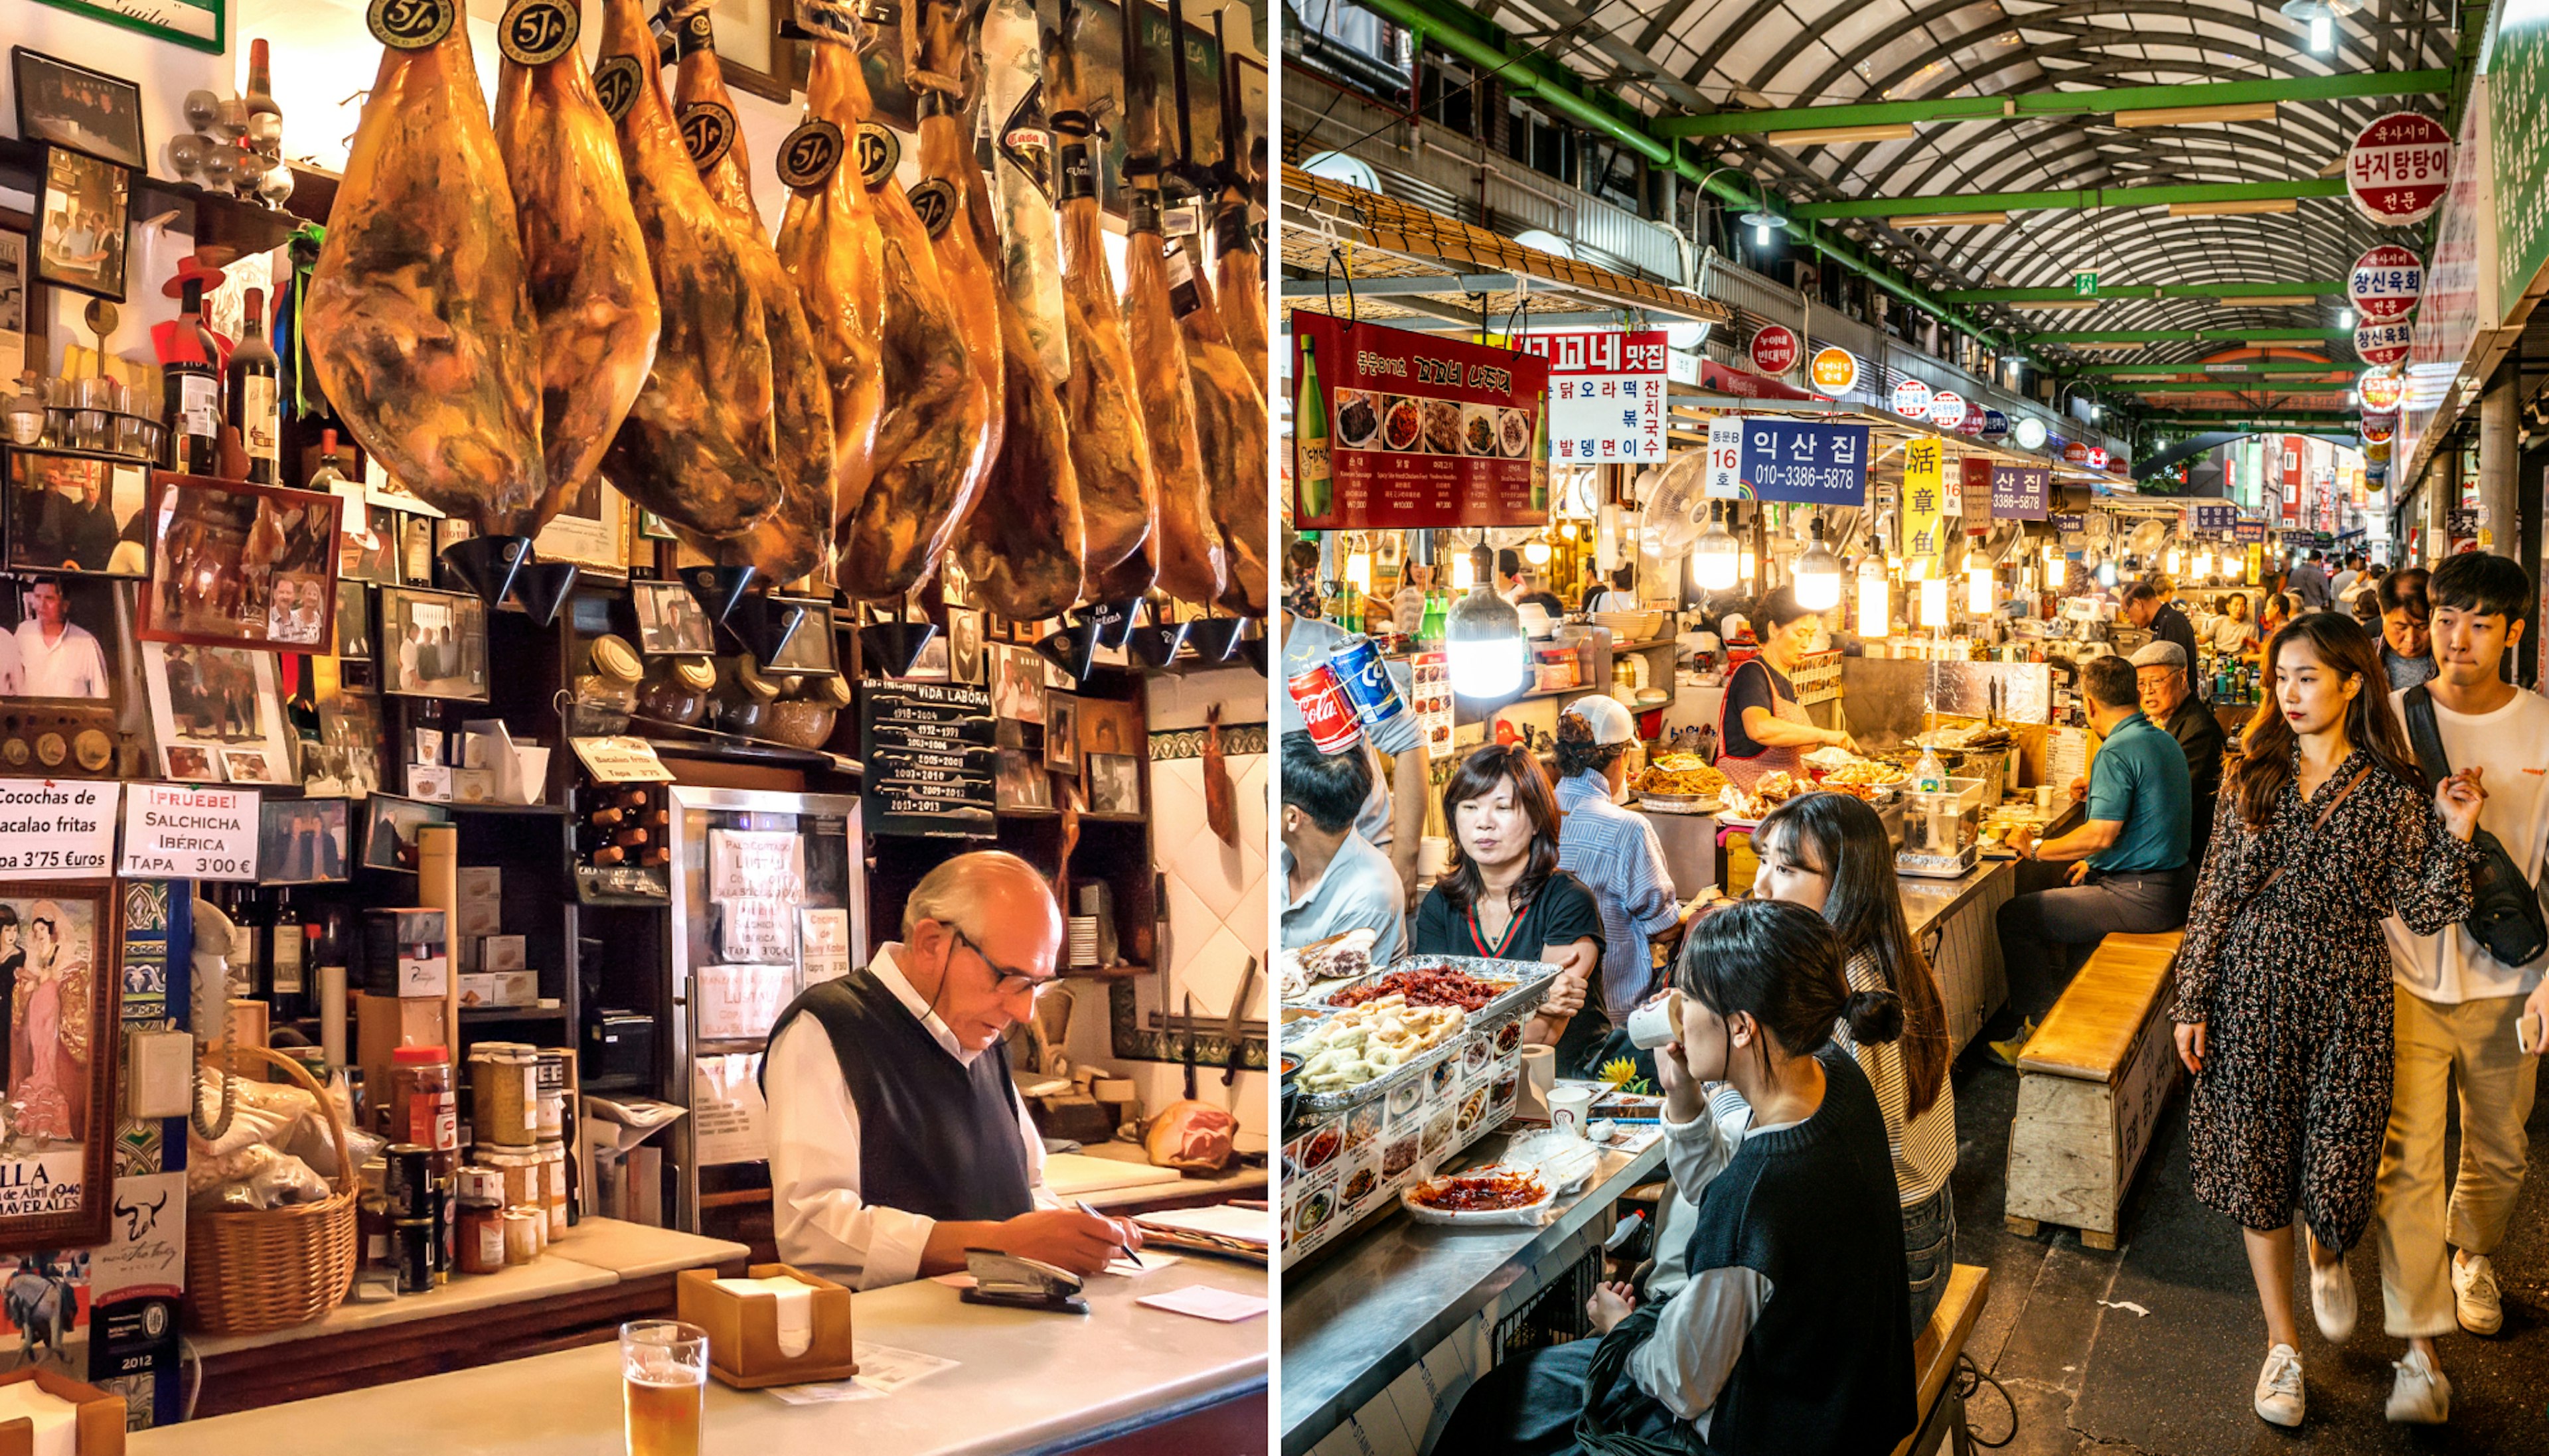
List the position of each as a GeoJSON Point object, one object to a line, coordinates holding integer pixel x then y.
{"type": "Point", "coordinates": [1828, 1367]}
{"type": "Point", "coordinates": [936, 1137]}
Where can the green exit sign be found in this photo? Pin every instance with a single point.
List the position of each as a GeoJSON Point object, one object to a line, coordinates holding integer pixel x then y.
{"type": "Point", "coordinates": [2085, 284]}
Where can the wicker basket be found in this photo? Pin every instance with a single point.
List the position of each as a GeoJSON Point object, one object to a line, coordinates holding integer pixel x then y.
{"type": "Point", "coordinates": [267, 1269]}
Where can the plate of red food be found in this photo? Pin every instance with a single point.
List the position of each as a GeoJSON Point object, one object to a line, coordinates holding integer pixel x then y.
{"type": "Point", "coordinates": [1425, 987]}
{"type": "Point", "coordinates": [1494, 1194]}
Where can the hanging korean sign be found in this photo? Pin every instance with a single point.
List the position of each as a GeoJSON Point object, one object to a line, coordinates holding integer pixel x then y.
{"type": "Point", "coordinates": [2386, 282]}
{"type": "Point", "coordinates": [2019, 491]}
{"type": "Point", "coordinates": [1948, 409]}
{"type": "Point", "coordinates": [1414, 430]}
{"type": "Point", "coordinates": [2075, 452]}
{"type": "Point", "coordinates": [1995, 426]}
{"type": "Point", "coordinates": [1912, 399]}
{"type": "Point", "coordinates": [1726, 457]}
{"type": "Point", "coordinates": [2249, 532]}
{"type": "Point", "coordinates": [1774, 349]}
{"type": "Point", "coordinates": [2216, 517]}
{"type": "Point", "coordinates": [2398, 167]}
{"type": "Point", "coordinates": [1972, 501]}
{"type": "Point", "coordinates": [2380, 393]}
{"type": "Point", "coordinates": [1923, 511]}
{"type": "Point", "coordinates": [1606, 394]}
{"type": "Point", "coordinates": [2383, 343]}
{"type": "Point", "coordinates": [1834, 370]}
{"type": "Point", "coordinates": [1805, 460]}
{"type": "Point", "coordinates": [2378, 429]}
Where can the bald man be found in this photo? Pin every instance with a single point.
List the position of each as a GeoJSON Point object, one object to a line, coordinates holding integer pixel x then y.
{"type": "Point", "coordinates": [897, 1140]}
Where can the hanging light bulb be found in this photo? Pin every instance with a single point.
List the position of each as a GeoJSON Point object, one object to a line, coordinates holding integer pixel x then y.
{"type": "Point", "coordinates": [2175, 561]}
{"type": "Point", "coordinates": [1933, 602]}
{"type": "Point", "coordinates": [1715, 562]}
{"type": "Point", "coordinates": [1359, 568]}
{"type": "Point", "coordinates": [1483, 637]}
{"type": "Point", "coordinates": [1463, 575]}
{"type": "Point", "coordinates": [1979, 594]}
{"type": "Point", "coordinates": [1535, 552]}
{"type": "Point", "coordinates": [2322, 34]}
{"type": "Point", "coordinates": [1875, 599]}
{"type": "Point", "coordinates": [2052, 556]}
{"type": "Point", "coordinates": [1818, 581]}
{"type": "Point", "coordinates": [2106, 573]}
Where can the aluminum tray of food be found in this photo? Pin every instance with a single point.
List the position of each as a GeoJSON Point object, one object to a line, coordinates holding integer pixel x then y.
{"type": "Point", "coordinates": [1523, 985]}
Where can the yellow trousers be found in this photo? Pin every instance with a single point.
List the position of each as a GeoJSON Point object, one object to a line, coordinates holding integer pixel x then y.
{"type": "Point", "coordinates": [2470, 1048]}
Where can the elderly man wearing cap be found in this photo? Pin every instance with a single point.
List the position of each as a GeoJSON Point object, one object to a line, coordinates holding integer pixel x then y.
{"type": "Point", "coordinates": [2161, 670]}
{"type": "Point", "coordinates": [1613, 850]}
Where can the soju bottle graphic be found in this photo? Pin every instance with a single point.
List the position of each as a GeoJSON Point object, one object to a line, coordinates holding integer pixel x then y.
{"type": "Point", "coordinates": [1313, 469]}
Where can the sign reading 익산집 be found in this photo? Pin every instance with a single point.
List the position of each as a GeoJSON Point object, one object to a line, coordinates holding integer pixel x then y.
{"type": "Point", "coordinates": [174, 833]}
{"type": "Point", "coordinates": [55, 830]}
{"type": "Point", "coordinates": [1423, 430]}
{"type": "Point", "coordinates": [1805, 460]}
{"type": "Point", "coordinates": [1606, 394]}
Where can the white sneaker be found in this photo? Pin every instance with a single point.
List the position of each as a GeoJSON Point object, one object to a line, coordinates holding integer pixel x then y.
{"type": "Point", "coordinates": [2332, 1299]}
{"type": "Point", "coordinates": [2421, 1395]}
{"type": "Point", "coordinates": [2474, 1296]}
{"type": "Point", "coordinates": [2279, 1387]}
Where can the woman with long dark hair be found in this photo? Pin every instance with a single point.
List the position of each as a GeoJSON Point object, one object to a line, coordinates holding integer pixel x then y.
{"type": "Point", "coordinates": [1793, 1332]}
{"type": "Point", "coordinates": [1504, 896]}
{"type": "Point", "coordinates": [2284, 999]}
{"type": "Point", "coordinates": [1829, 853]}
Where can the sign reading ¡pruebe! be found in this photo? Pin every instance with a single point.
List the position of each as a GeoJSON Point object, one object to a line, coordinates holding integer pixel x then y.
{"type": "Point", "coordinates": [1425, 432]}
{"type": "Point", "coordinates": [1606, 394]}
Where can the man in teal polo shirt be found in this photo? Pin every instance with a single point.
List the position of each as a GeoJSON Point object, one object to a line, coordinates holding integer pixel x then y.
{"type": "Point", "coordinates": [2133, 871]}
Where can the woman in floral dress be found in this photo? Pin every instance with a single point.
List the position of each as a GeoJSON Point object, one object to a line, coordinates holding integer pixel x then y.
{"type": "Point", "coordinates": [2283, 981]}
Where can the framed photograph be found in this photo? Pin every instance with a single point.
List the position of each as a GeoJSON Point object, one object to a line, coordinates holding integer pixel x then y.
{"type": "Point", "coordinates": [1110, 726]}
{"type": "Point", "coordinates": [60, 638]}
{"type": "Point", "coordinates": [246, 766]}
{"type": "Point", "coordinates": [749, 50]}
{"type": "Point", "coordinates": [238, 564]}
{"type": "Point", "coordinates": [22, 328]}
{"type": "Point", "coordinates": [812, 651]}
{"type": "Point", "coordinates": [1019, 781]}
{"type": "Point", "coordinates": [346, 759]}
{"type": "Point", "coordinates": [72, 513]}
{"type": "Point", "coordinates": [353, 620]}
{"type": "Point", "coordinates": [208, 702]}
{"type": "Point", "coordinates": [389, 839]}
{"type": "Point", "coordinates": [964, 645]}
{"type": "Point", "coordinates": [84, 229]}
{"type": "Point", "coordinates": [74, 107]}
{"type": "Point", "coordinates": [1114, 783]}
{"type": "Point", "coordinates": [1062, 732]}
{"type": "Point", "coordinates": [590, 530]}
{"type": "Point", "coordinates": [931, 665]}
{"type": "Point", "coordinates": [367, 541]}
{"type": "Point", "coordinates": [60, 968]}
{"type": "Point", "coordinates": [302, 841]}
{"type": "Point", "coordinates": [434, 644]}
{"type": "Point", "coordinates": [671, 621]}
{"type": "Point", "coordinates": [1017, 683]}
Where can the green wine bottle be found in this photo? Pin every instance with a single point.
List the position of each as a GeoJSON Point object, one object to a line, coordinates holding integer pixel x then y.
{"type": "Point", "coordinates": [1540, 457]}
{"type": "Point", "coordinates": [1311, 464]}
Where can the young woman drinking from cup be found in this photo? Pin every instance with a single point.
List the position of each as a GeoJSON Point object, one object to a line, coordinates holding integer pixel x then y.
{"type": "Point", "coordinates": [2284, 999]}
{"type": "Point", "coordinates": [1505, 897]}
{"type": "Point", "coordinates": [1827, 852]}
{"type": "Point", "coordinates": [1793, 1331]}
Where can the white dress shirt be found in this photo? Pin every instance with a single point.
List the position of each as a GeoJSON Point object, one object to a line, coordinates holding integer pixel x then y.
{"type": "Point", "coordinates": [68, 667]}
{"type": "Point", "coordinates": [823, 1225]}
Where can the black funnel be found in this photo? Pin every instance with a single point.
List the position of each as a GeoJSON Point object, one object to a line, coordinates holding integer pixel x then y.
{"type": "Point", "coordinates": [1157, 644]}
{"type": "Point", "coordinates": [1073, 648]}
{"type": "Point", "coordinates": [1213, 638]}
{"type": "Point", "coordinates": [718, 588]}
{"type": "Point", "coordinates": [486, 565]}
{"type": "Point", "coordinates": [1114, 620]}
{"type": "Point", "coordinates": [1253, 649]}
{"type": "Point", "coordinates": [542, 588]}
{"type": "Point", "coordinates": [764, 624]}
{"type": "Point", "coordinates": [896, 644]}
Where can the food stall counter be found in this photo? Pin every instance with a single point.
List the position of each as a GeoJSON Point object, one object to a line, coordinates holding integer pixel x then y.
{"type": "Point", "coordinates": [1372, 1310]}
{"type": "Point", "coordinates": [1023, 1382]}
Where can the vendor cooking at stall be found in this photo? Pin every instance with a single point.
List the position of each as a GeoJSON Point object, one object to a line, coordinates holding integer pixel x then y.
{"type": "Point", "coordinates": [896, 1139]}
{"type": "Point", "coordinates": [1764, 729]}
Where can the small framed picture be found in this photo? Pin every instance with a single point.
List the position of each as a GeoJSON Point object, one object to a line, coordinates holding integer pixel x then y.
{"type": "Point", "coordinates": [389, 835]}
{"type": "Point", "coordinates": [302, 841]}
{"type": "Point", "coordinates": [61, 638]}
{"type": "Point", "coordinates": [811, 649]}
{"type": "Point", "coordinates": [1115, 784]}
{"type": "Point", "coordinates": [238, 564]}
{"type": "Point", "coordinates": [65, 943]}
{"type": "Point", "coordinates": [76, 514]}
{"type": "Point", "coordinates": [931, 665]}
{"type": "Point", "coordinates": [964, 645]}
{"type": "Point", "coordinates": [590, 530]}
{"type": "Point", "coordinates": [346, 759]}
{"type": "Point", "coordinates": [77, 108]}
{"type": "Point", "coordinates": [1062, 732]}
{"type": "Point", "coordinates": [246, 766]}
{"type": "Point", "coordinates": [432, 644]}
{"type": "Point", "coordinates": [671, 621]}
{"type": "Point", "coordinates": [1017, 683]}
{"type": "Point", "coordinates": [1110, 726]}
{"type": "Point", "coordinates": [83, 232]}
{"type": "Point", "coordinates": [1019, 781]}
{"type": "Point", "coordinates": [353, 620]}
{"type": "Point", "coordinates": [188, 764]}
{"type": "Point", "coordinates": [209, 702]}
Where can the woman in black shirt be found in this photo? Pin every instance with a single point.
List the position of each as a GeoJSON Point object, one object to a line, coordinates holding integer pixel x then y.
{"type": "Point", "coordinates": [1505, 898]}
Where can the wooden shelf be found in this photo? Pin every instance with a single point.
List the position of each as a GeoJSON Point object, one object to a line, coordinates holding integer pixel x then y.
{"type": "Point", "coordinates": [769, 755]}
{"type": "Point", "coordinates": [469, 1014]}
{"type": "Point", "coordinates": [211, 219]}
{"type": "Point", "coordinates": [552, 811]}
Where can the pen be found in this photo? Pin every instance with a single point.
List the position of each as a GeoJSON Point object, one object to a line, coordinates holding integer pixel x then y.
{"type": "Point", "coordinates": [1136, 1259]}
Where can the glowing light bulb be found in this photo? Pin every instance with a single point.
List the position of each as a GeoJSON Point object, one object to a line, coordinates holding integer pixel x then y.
{"type": "Point", "coordinates": [1715, 562]}
{"type": "Point", "coordinates": [1535, 552]}
{"type": "Point", "coordinates": [1875, 600]}
{"type": "Point", "coordinates": [2322, 34]}
{"type": "Point", "coordinates": [1818, 581]}
{"type": "Point", "coordinates": [1933, 602]}
{"type": "Point", "coordinates": [1761, 235]}
{"type": "Point", "coordinates": [2203, 562]}
{"type": "Point", "coordinates": [1358, 569]}
{"type": "Point", "coordinates": [1464, 575]}
{"type": "Point", "coordinates": [2176, 560]}
{"type": "Point", "coordinates": [1978, 588]}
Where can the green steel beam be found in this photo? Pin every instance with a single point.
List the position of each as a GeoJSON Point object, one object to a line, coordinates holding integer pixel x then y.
{"type": "Point", "coordinates": [2233, 386]}
{"type": "Point", "coordinates": [2231, 336]}
{"type": "Point", "coordinates": [2129, 293]}
{"type": "Point", "coordinates": [2145, 196]}
{"type": "Point", "coordinates": [2240, 370]}
{"type": "Point", "coordinates": [1484, 44]}
{"type": "Point", "coordinates": [2202, 419]}
{"type": "Point", "coordinates": [2055, 103]}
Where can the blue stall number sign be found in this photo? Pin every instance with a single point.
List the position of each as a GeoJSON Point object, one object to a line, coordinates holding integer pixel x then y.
{"type": "Point", "coordinates": [1806, 460]}
{"type": "Point", "coordinates": [2216, 517]}
{"type": "Point", "coordinates": [2070, 525]}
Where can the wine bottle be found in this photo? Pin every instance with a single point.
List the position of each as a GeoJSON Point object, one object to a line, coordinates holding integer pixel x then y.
{"type": "Point", "coordinates": [251, 393]}
{"type": "Point", "coordinates": [264, 118]}
{"type": "Point", "coordinates": [287, 986]}
{"type": "Point", "coordinates": [191, 384]}
{"type": "Point", "coordinates": [1315, 468]}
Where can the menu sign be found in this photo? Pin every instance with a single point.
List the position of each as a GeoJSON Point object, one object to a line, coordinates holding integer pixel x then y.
{"type": "Point", "coordinates": [1606, 394]}
{"type": "Point", "coordinates": [2398, 167]}
{"type": "Point", "coordinates": [2216, 517]}
{"type": "Point", "coordinates": [177, 832]}
{"type": "Point", "coordinates": [1806, 460]}
{"type": "Point", "coordinates": [2380, 392]}
{"type": "Point", "coordinates": [58, 831]}
{"type": "Point", "coordinates": [2383, 343]}
{"type": "Point", "coordinates": [927, 748]}
{"type": "Point", "coordinates": [1422, 430]}
{"type": "Point", "coordinates": [2385, 282]}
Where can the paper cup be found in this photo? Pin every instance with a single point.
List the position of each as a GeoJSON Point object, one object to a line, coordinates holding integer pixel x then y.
{"type": "Point", "coordinates": [1433, 856]}
{"type": "Point", "coordinates": [1538, 1074]}
{"type": "Point", "coordinates": [2043, 796]}
{"type": "Point", "coordinates": [1567, 1110]}
{"type": "Point", "coordinates": [1656, 1023]}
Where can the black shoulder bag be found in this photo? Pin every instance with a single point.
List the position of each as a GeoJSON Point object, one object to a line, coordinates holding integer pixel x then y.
{"type": "Point", "coordinates": [2504, 913]}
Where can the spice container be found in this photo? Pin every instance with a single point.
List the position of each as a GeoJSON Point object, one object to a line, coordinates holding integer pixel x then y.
{"type": "Point", "coordinates": [503, 1093]}
{"type": "Point", "coordinates": [523, 1234]}
{"type": "Point", "coordinates": [423, 1107]}
{"type": "Point", "coordinates": [806, 721]}
{"type": "Point", "coordinates": [551, 1121]}
{"type": "Point", "coordinates": [675, 690]}
{"type": "Point", "coordinates": [607, 694]}
{"type": "Point", "coordinates": [746, 709]}
{"type": "Point", "coordinates": [554, 1186]}
{"type": "Point", "coordinates": [520, 1167]}
{"type": "Point", "coordinates": [482, 1221]}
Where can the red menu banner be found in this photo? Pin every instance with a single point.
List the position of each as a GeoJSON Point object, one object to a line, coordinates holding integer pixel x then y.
{"type": "Point", "coordinates": [1392, 429]}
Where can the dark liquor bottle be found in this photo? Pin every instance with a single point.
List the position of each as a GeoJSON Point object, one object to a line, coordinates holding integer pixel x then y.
{"type": "Point", "coordinates": [251, 393]}
{"type": "Point", "coordinates": [287, 961]}
{"type": "Point", "coordinates": [190, 383]}
{"type": "Point", "coordinates": [250, 925]}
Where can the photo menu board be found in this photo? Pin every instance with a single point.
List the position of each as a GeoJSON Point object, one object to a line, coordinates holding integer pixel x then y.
{"type": "Point", "coordinates": [1400, 429]}
{"type": "Point", "coordinates": [927, 748]}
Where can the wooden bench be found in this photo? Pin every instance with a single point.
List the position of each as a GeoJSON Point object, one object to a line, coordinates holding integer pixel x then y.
{"type": "Point", "coordinates": [2090, 1087]}
{"type": "Point", "coordinates": [1933, 1359]}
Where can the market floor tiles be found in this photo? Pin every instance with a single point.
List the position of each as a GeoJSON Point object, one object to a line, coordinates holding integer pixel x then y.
{"type": "Point", "coordinates": [2066, 1336]}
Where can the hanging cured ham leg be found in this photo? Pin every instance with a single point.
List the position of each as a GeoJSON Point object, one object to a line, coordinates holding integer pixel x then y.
{"type": "Point", "coordinates": [1230, 424]}
{"type": "Point", "coordinates": [829, 245]}
{"type": "Point", "coordinates": [419, 324]}
{"type": "Point", "coordinates": [705, 111]}
{"type": "Point", "coordinates": [1238, 272]}
{"type": "Point", "coordinates": [590, 285]}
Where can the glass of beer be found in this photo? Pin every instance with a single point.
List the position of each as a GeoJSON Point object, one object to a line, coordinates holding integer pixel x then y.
{"type": "Point", "coordinates": [664, 1376]}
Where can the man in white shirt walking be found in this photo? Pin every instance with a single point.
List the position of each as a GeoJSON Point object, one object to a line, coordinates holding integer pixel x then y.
{"type": "Point", "coordinates": [897, 1140]}
{"type": "Point", "coordinates": [58, 657]}
{"type": "Point", "coordinates": [2456, 1005]}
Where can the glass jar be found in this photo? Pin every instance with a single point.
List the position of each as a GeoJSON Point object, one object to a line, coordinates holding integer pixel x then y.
{"type": "Point", "coordinates": [606, 693]}
{"type": "Point", "coordinates": [424, 1109]}
{"type": "Point", "coordinates": [806, 721]}
{"type": "Point", "coordinates": [745, 709]}
{"type": "Point", "coordinates": [675, 690]}
{"type": "Point", "coordinates": [504, 1092]}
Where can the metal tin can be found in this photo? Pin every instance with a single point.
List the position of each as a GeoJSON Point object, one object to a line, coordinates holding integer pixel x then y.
{"type": "Point", "coordinates": [1365, 676]}
{"type": "Point", "coordinates": [447, 1230]}
{"type": "Point", "coordinates": [408, 1184]}
{"type": "Point", "coordinates": [1325, 709]}
{"type": "Point", "coordinates": [551, 1112]}
{"type": "Point", "coordinates": [411, 1249]}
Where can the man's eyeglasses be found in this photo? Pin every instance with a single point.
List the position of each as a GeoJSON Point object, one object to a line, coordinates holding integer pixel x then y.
{"type": "Point", "coordinates": [1006, 981]}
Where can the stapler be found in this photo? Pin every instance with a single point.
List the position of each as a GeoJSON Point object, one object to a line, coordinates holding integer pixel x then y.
{"type": "Point", "coordinates": [1018, 1283]}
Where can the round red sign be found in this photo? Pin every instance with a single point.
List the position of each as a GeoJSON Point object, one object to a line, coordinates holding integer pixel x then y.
{"type": "Point", "coordinates": [2380, 393]}
{"type": "Point", "coordinates": [1912, 397]}
{"type": "Point", "coordinates": [1774, 350]}
{"type": "Point", "coordinates": [2076, 452]}
{"type": "Point", "coordinates": [2377, 429]}
{"type": "Point", "coordinates": [2383, 343]}
{"type": "Point", "coordinates": [2386, 282]}
{"type": "Point", "coordinates": [2399, 168]}
{"type": "Point", "coordinates": [1948, 409]}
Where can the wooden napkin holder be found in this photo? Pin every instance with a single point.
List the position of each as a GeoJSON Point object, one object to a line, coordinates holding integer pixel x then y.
{"type": "Point", "coordinates": [743, 1329]}
{"type": "Point", "coordinates": [100, 1421]}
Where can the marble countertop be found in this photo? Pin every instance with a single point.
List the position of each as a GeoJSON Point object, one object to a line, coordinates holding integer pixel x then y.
{"type": "Point", "coordinates": [1025, 1381]}
{"type": "Point", "coordinates": [1245, 1182]}
{"type": "Point", "coordinates": [1352, 1322]}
